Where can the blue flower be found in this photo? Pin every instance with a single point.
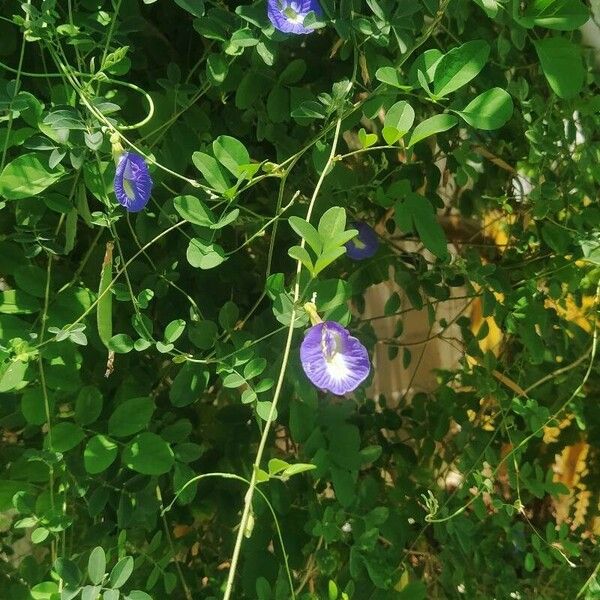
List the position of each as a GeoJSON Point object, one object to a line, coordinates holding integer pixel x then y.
{"type": "Point", "coordinates": [133, 183]}
{"type": "Point", "coordinates": [333, 359]}
{"type": "Point", "coordinates": [365, 244]}
{"type": "Point", "coordinates": [288, 15]}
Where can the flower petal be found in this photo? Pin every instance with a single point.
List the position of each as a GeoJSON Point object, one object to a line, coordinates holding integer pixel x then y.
{"type": "Point", "coordinates": [332, 359]}
{"type": "Point", "coordinates": [133, 184]}
{"type": "Point", "coordinates": [288, 15]}
{"type": "Point", "coordinates": [365, 244]}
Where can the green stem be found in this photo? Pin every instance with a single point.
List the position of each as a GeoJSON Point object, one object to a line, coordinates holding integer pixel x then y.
{"type": "Point", "coordinates": [114, 280]}
{"type": "Point", "coordinates": [270, 417]}
{"type": "Point", "coordinates": [126, 84]}
{"type": "Point", "coordinates": [10, 114]}
{"type": "Point", "coordinates": [186, 589]}
{"type": "Point", "coordinates": [111, 31]}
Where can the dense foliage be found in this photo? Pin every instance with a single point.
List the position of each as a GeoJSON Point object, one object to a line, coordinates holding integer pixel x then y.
{"type": "Point", "coordinates": [159, 432]}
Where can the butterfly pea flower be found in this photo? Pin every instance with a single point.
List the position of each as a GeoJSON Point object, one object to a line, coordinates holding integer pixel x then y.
{"type": "Point", "coordinates": [365, 244]}
{"type": "Point", "coordinates": [333, 359]}
{"type": "Point", "coordinates": [288, 15]}
{"type": "Point", "coordinates": [133, 184]}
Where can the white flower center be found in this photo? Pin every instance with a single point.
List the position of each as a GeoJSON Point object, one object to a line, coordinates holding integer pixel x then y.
{"type": "Point", "coordinates": [337, 367]}
{"type": "Point", "coordinates": [292, 14]}
{"type": "Point", "coordinates": [332, 348]}
{"type": "Point", "coordinates": [128, 188]}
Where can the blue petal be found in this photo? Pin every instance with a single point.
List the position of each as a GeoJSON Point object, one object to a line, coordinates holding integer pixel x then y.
{"type": "Point", "coordinates": [133, 184]}
{"type": "Point", "coordinates": [365, 244]}
{"type": "Point", "coordinates": [281, 14]}
{"type": "Point", "coordinates": [334, 360]}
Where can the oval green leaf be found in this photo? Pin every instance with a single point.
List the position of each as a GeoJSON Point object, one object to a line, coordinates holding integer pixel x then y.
{"type": "Point", "coordinates": [148, 454]}
{"type": "Point", "coordinates": [490, 110]}
{"type": "Point", "coordinates": [431, 126]}
{"type": "Point", "coordinates": [459, 66]}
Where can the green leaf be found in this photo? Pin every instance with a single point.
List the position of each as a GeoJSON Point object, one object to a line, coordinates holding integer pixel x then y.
{"type": "Point", "coordinates": [12, 375]}
{"type": "Point", "coordinates": [490, 7]}
{"type": "Point", "coordinates": [121, 572]}
{"type": "Point", "coordinates": [307, 232]}
{"type": "Point", "coordinates": [529, 562]}
{"type": "Point", "coordinates": [293, 72]}
{"type": "Point", "coordinates": [278, 104]}
{"type": "Point", "coordinates": [203, 255]}
{"type": "Point", "coordinates": [97, 565]}
{"type": "Point", "coordinates": [366, 139]}
{"type": "Point", "coordinates": [424, 221]}
{"type": "Point", "coordinates": [174, 330]}
{"type": "Point", "coordinates": [203, 334]}
{"type": "Point", "coordinates": [194, 7]}
{"type": "Point", "coordinates": [327, 257]}
{"type": "Point", "coordinates": [39, 534]}
{"type": "Point", "coordinates": [255, 367]}
{"type": "Point", "coordinates": [298, 468]}
{"type": "Point", "coordinates": [193, 210]}
{"type": "Point", "coordinates": [211, 171]}
{"type": "Point", "coordinates": [456, 68]}
{"type": "Point", "coordinates": [229, 315]}
{"type": "Point", "coordinates": [232, 154]}
{"type": "Point", "coordinates": [120, 343]}
{"type": "Point", "coordinates": [138, 595]}
{"type": "Point", "coordinates": [88, 405]}
{"type": "Point", "coordinates": [301, 254]}
{"type": "Point", "coordinates": [332, 590]}
{"type": "Point", "coordinates": [332, 223]}
{"type": "Point", "coordinates": [370, 454]}
{"type": "Point", "coordinates": [17, 302]}
{"type": "Point", "coordinates": [131, 416]}
{"type": "Point", "coordinates": [391, 76]}
{"type": "Point", "coordinates": [249, 396]}
{"type": "Point", "coordinates": [398, 120]}
{"type": "Point", "coordinates": [12, 327]}
{"type": "Point", "coordinates": [70, 230]}
{"type": "Point", "coordinates": [68, 571]}
{"type": "Point", "coordinates": [65, 436]}
{"type": "Point", "coordinates": [31, 279]}
{"type": "Point", "coordinates": [431, 126]}
{"type": "Point", "coordinates": [104, 306]}
{"type": "Point", "coordinates": [490, 110]}
{"type": "Point", "coordinates": [227, 219]}
{"type": "Point", "coordinates": [233, 380]}
{"type": "Point", "coordinates": [148, 454]}
{"type": "Point", "coordinates": [310, 109]}
{"type": "Point", "coordinates": [90, 592]}
{"type": "Point", "coordinates": [263, 408]}
{"type": "Point", "coordinates": [562, 65]}
{"type": "Point", "coordinates": [556, 237]}
{"type": "Point", "coordinates": [242, 38]}
{"type": "Point", "coordinates": [32, 406]}
{"type": "Point", "coordinates": [216, 68]}
{"type": "Point", "coordinates": [277, 465]}
{"type": "Point", "coordinates": [189, 383]}
{"type": "Point", "coordinates": [26, 176]}
{"type": "Point", "coordinates": [562, 15]}
{"type": "Point", "coordinates": [100, 452]}
{"type": "Point", "coordinates": [426, 63]}
{"type": "Point", "coordinates": [44, 590]}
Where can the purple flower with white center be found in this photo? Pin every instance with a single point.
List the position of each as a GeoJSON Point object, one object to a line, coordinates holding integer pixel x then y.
{"type": "Point", "coordinates": [365, 244]}
{"type": "Point", "coordinates": [288, 15]}
{"type": "Point", "coordinates": [333, 359]}
{"type": "Point", "coordinates": [133, 183]}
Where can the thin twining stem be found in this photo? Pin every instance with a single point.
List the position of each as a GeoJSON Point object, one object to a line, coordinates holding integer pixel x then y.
{"type": "Point", "coordinates": [247, 510]}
